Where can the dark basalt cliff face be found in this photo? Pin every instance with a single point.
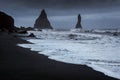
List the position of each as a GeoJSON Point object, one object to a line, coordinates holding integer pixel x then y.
{"type": "Point", "coordinates": [78, 25]}
{"type": "Point", "coordinates": [6, 22]}
{"type": "Point", "coordinates": [42, 21]}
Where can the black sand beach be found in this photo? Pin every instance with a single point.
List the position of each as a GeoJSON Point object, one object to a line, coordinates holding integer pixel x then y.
{"type": "Point", "coordinates": [17, 63]}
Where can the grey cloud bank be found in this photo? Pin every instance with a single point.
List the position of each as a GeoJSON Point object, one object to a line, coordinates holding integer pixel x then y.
{"type": "Point", "coordinates": [63, 13]}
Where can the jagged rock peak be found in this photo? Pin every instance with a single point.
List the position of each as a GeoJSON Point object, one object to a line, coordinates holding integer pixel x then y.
{"type": "Point", "coordinates": [42, 21]}
{"type": "Point", "coordinates": [78, 25]}
{"type": "Point", "coordinates": [43, 14]}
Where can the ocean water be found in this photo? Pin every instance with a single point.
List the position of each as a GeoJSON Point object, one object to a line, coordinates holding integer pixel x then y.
{"type": "Point", "coordinates": [98, 51]}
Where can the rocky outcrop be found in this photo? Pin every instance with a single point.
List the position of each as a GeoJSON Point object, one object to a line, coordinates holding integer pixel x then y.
{"type": "Point", "coordinates": [31, 35]}
{"type": "Point", "coordinates": [42, 21]}
{"type": "Point", "coordinates": [6, 22]}
{"type": "Point", "coordinates": [78, 25]}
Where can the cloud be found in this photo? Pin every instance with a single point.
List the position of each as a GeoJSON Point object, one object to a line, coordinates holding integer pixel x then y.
{"type": "Point", "coordinates": [61, 12]}
{"type": "Point", "coordinates": [58, 7]}
{"type": "Point", "coordinates": [60, 4]}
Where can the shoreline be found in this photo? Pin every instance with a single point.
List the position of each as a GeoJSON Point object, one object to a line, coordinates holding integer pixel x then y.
{"type": "Point", "coordinates": [17, 63]}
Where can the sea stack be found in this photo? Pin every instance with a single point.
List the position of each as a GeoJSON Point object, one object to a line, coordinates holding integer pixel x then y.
{"type": "Point", "coordinates": [6, 22]}
{"type": "Point", "coordinates": [78, 25]}
{"type": "Point", "coordinates": [42, 21]}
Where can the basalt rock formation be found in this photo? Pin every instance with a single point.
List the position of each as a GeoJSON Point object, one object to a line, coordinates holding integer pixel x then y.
{"type": "Point", "coordinates": [78, 25]}
{"type": "Point", "coordinates": [42, 21]}
{"type": "Point", "coordinates": [6, 22]}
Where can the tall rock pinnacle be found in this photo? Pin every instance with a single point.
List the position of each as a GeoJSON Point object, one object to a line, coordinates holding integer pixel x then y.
{"type": "Point", "coordinates": [42, 21]}
{"type": "Point", "coordinates": [78, 25]}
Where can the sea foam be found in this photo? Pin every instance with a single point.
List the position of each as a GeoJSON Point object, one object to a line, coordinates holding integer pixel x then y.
{"type": "Point", "coordinates": [101, 52]}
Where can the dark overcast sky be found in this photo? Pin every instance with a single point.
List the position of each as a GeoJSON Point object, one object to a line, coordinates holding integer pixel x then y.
{"type": "Point", "coordinates": [63, 13]}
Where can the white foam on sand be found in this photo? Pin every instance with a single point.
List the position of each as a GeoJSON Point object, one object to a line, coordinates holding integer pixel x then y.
{"type": "Point", "coordinates": [101, 52]}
